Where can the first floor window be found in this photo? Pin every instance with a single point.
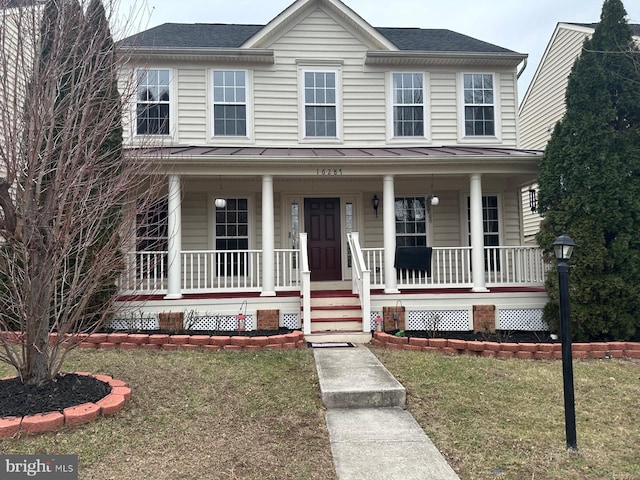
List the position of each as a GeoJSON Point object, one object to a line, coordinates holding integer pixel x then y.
{"type": "Point", "coordinates": [232, 235]}
{"type": "Point", "coordinates": [320, 104]}
{"type": "Point", "coordinates": [490, 227]}
{"type": "Point", "coordinates": [411, 222]}
{"type": "Point", "coordinates": [479, 104]}
{"type": "Point", "coordinates": [152, 240]}
{"type": "Point", "coordinates": [153, 102]}
{"type": "Point", "coordinates": [229, 103]}
{"type": "Point", "coordinates": [408, 105]}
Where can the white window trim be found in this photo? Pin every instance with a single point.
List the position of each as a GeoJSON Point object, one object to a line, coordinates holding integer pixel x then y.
{"type": "Point", "coordinates": [249, 97]}
{"type": "Point", "coordinates": [465, 218]}
{"type": "Point", "coordinates": [211, 212]}
{"type": "Point", "coordinates": [328, 68]}
{"type": "Point", "coordinates": [428, 215]}
{"type": "Point", "coordinates": [497, 110]}
{"type": "Point", "coordinates": [426, 112]}
{"type": "Point", "coordinates": [172, 102]}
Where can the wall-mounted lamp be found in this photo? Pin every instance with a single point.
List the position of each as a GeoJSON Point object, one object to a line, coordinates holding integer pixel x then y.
{"type": "Point", "coordinates": [433, 200]}
{"type": "Point", "coordinates": [375, 201]}
{"type": "Point", "coordinates": [533, 200]}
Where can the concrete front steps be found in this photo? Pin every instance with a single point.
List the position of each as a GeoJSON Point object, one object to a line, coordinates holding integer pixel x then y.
{"type": "Point", "coordinates": [336, 316]}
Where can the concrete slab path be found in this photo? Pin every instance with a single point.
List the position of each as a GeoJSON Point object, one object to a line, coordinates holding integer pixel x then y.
{"type": "Point", "coordinates": [372, 436]}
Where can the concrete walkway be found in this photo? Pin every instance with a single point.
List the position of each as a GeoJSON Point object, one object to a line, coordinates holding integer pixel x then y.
{"type": "Point", "coordinates": [372, 436]}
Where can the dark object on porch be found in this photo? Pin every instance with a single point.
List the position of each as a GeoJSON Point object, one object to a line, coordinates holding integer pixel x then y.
{"type": "Point", "coordinates": [414, 258]}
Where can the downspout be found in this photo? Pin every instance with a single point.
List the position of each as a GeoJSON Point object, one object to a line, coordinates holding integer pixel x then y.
{"type": "Point", "coordinates": [524, 67]}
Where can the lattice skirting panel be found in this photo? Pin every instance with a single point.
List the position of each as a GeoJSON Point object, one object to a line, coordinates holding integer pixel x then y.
{"type": "Point", "coordinates": [136, 322]}
{"type": "Point", "coordinates": [219, 323]}
{"type": "Point", "coordinates": [291, 321]}
{"type": "Point", "coordinates": [444, 320]}
{"type": "Point", "coordinates": [372, 319]}
{"type": "Point", "coordinates": [204, 322]}
{"type": "Point", "coordinates": [521, 319]}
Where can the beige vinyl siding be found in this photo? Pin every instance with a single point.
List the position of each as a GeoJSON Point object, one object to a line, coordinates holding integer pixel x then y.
{"type": "Point", "coordinates": [511, 233]}
{"type": "Point", "coordinates": [446, 223]}
{"type": "Point", "coordinates": [196, 223]}
{"type": "Point", "coordinates": [362, 110]}
{"type": "Point", "coordinates": [544, 104]}
{"type": "Point", "coordinates": [190, 105]}
{"type": "Point", "coordinates": [443, 105]}
{"type": "Point", "coordinates": [508, 108]}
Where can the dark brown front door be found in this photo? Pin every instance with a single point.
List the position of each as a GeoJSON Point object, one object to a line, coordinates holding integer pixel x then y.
{"type": "Point", "coordinates": [322, 224]}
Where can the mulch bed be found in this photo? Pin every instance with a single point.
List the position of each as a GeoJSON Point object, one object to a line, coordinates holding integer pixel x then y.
{"type": "Point", "coordinates": [500, 336]}
{"type": "Point", "coordinates": [69, 390]}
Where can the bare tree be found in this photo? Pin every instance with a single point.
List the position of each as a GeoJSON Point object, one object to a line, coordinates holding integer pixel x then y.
{"type": "Point", "coordinates": [69, 196]}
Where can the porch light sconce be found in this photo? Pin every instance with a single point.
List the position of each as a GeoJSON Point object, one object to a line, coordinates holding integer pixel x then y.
{"type": "Point", "coordinates": [433, 200]}
{"type": "Point", "coordinates": [241, 317]}
{"type": "Point", "coordinates": [533, 200]}
{"type": "Point", "coordinates": [375, 201]}
{"type": "Point", "coordinates": [220, 203]}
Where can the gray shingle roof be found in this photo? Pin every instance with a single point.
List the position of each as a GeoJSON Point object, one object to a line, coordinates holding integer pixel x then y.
{"type": "Point", "coordinates": [216, 35]}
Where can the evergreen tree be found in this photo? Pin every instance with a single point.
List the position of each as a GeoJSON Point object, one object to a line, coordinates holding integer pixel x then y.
{"type": "Point", "coordinates": [589, 184]}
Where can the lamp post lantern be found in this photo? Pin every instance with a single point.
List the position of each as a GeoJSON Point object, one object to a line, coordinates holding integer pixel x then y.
{"type": "Point", "coordinates": [563, 248]}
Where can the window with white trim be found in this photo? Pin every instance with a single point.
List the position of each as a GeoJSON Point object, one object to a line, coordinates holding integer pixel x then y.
{"type": "Point", "coordinates": [408, 105]}
{"type": "Point", "coordinates": [320, 104]}
{"type": "Point", "coordinates": [230, 103]}
{"type": "Point", "coordinates": [232, 233]}
{"type": "Point", "coordinates": [411, 221]}
{"type": "Point", "coordinates": [479, 104]}
{"type": "Point", "coordinates": [490, 227]}
{"type": "Point", "coordinates": [153, 97]}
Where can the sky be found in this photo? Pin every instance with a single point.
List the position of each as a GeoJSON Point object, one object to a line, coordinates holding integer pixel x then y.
{"type": "Point", "coordinates": [524, 26]}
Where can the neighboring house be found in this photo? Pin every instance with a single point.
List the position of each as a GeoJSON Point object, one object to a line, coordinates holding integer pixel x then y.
{"type": "Point", "coordinates": [320, 153]}
{"type": "Point", "coordinates": [544, 102]}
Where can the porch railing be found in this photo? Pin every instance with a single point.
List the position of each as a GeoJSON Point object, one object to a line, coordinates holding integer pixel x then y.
{"type": "Point", "coordinates": [451, 268]}
{"type": "Point", "coordinates": [305, 285]}
{"type": "Point", "coordinates": [209, 271]}
{"type": "Point", "coordinates": [360, 279]}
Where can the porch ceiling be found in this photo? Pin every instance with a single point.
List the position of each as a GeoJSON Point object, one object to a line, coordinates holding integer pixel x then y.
{"type": "Point", "coordinates": [302, 161]}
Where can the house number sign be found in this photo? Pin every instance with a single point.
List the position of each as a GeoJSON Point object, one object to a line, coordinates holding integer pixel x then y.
{"type": "Point", "coordinates": [328, 172]}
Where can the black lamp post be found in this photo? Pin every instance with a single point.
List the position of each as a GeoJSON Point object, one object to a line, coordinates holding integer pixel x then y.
{"type": "Point", "coordinates": [563, 247]}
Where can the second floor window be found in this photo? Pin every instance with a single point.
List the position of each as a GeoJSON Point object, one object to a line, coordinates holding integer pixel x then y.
{"type": "Point", "coordinates": [408, 105]}
{"type": "Point", "coordinates": [320, 104]}
{"type": "Point", "coordinates": [229, 103]}
{"type": "Point", "coordinates": [153, 102]}
{"type": "Point", "coordinates": [479, 104]}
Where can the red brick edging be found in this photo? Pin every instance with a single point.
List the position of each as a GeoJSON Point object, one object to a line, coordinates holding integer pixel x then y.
{"type": "Point", "coordinates": [77, 415]}
{"type": "Point", "coordinates": [126, 341]}
{"type": "Point", "coordinates": [534, 351]}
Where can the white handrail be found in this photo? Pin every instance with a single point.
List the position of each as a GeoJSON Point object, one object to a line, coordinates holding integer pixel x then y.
{"type": "Point", "coordinates": [361, 278]}
{"type": "Point", "coordinates": [305, 290]}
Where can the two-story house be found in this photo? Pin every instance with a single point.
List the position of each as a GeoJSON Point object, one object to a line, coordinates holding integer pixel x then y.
{"type": "Point", "coordinates": [326, 169]}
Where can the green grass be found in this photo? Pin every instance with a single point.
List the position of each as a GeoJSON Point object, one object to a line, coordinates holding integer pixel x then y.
{"type": "Point", "coordinates": [507, 416]}
{"type": "Point", "coordinates": [197, 415]}
{"type": "Point", "coordinates": [246, 415]}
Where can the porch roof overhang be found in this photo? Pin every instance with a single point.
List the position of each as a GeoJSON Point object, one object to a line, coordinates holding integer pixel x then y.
{"type": "Point", "coordinates": [302, 161]}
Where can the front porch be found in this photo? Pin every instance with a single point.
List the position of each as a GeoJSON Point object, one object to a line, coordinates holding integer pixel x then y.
{"type": "Point", "coordinates": [214, 286]}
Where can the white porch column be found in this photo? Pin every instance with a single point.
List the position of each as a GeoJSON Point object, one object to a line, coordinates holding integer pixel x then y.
{"type": "Point", "coordinates": [477, 233]}
{"type": "Point", "coordinates": [389, 225]}
{"type": "Point", "coordinates": [174, 221]}
{"type": "Point", "coordinates": [268, 238]}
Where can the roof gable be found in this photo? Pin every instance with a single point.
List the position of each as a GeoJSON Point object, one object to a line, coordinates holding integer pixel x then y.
{"type": "Point", "coordinates": [335, 8]}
